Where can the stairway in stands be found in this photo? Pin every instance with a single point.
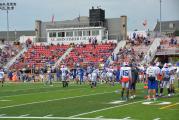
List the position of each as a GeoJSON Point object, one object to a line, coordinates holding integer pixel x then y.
{"type": "Point", "coordinates": [10, 63]}
{"type": "Point", "coordinates": [120, 45]}
{"type": "Point", "coordinates": [151, 51]}
{"type": "Point", "coordinates": [63, 56]}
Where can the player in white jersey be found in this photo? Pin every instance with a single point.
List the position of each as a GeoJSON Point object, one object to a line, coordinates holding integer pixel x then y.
{"type": "Point", "coordinates": [158, 77]}
{"type": "Point", "coordinates": [125, 78]}
{"type": "Point", "coordinates": [151, 76]}
{"type": "Point", "coordinates": [2, 77]}
{"type": "Point", "coordinates": [172, 78]}
{"type": "Point", "coordinates": [103, 75]}
{"type": "Point", "coordinates": [166, 79]}
{"type": "Point", "coordinates": [94, 76]}
{"type": "Point", "coordinates": [64, 71]}
{"type": "Point", "coordinates": [110, 76]}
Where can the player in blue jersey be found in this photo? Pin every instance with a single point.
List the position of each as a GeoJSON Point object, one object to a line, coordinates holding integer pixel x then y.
{"type": "Point", "coordinates": [80, 73]}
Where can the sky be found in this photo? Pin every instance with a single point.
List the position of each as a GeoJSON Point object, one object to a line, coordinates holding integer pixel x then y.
{"type": "Point", "coordinates": [27, 11]}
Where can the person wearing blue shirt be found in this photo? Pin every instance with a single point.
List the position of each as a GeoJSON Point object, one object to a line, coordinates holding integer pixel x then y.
{"type": "Point", "coordinates": [58, 74]}
{"type": "Point", "coordinates": [117, 73]}
{"type": "Point", "coordinates": [10, 75]}
{"type": "Point", "coordinates": [81, 74]}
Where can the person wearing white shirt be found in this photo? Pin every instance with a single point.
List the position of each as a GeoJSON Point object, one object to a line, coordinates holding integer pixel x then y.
{"type": "Point", "coordinates": [125, 78]}
{"type": "Point", "coordinates": [2, 77]}
{"type": "Point", "coordinates": [172, 78]}
{"type": "Point", "coordinates": [64, 71]}
{"type": "Point", "coordinates": [94, 76]}
{"type": "Point", "coordinates": [151, 76]}
{"type": "Point", "coordinates": [166, 79]}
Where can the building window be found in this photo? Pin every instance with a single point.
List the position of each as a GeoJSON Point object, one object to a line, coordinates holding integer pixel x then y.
{"type": "Point", "coordinates": [95, 32]}
{"type": "Point", "coordinates": [52, 34]}
{"type": "Point", "coordinates": [171, 25]}
{"type": "Point", "coordinates": [86, 33]}
{"type": "Point", "coordinates": [76, 33]}
{"type": "Point", "coordinates": [79, 33]}
{"type": "Point", "coordinates": [61, 34]}
{"type": "Point", "coordinates": [69, 34]}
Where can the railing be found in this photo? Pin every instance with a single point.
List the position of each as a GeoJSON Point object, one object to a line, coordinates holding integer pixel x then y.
{"type": "Point", "coordinates": [168, 51]}
{"type": "Point", "coordinates": [152, 50]}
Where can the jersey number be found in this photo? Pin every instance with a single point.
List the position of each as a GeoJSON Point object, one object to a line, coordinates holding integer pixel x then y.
{"type": "Point", "coordinates": [125, 73]}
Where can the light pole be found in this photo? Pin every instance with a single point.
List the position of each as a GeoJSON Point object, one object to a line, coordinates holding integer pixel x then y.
{"type": "Point", "coordinates": [6, 7]}
{"type": "Point", "coordinates": [160, 17]}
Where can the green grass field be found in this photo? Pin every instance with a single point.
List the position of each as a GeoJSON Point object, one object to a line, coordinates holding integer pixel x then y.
{"type": "Point", "coordinates": [33, 101]}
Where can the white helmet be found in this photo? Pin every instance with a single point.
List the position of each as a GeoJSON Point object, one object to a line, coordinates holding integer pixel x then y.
{"type": "Point", "coordinates": [125, 64]}
{"type": "Point", "coordinates": [165, 65]}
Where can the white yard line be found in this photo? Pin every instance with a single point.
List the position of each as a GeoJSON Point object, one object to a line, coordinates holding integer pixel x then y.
{"type": "Point", "coordinates": [99, 117]}
{"type": "Point", "coordinates": [127, 118]}
{"type": "Point", "coordinates": [53, 100]}
{"type": "Point", "coordinates": [24, 115]}
{"type": "Point", "coordinates": [156, 119]}
{"type": "Point", "coordinates": [50, 115]}
{"type": "Point", "coordinates": [5, 100]}
{"type": "Point", "coordinates": [99, 110]}
{"type": "Point", "coordinates": [57, 118]}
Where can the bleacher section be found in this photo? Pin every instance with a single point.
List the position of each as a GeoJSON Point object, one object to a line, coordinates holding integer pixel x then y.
{"type": "Point", "coordinates": [133, 52]}
{"type": "Point", "coordinates": [90, 53]}
{"type": "Point", "coordinates": [168, 46]}
{"type": "Point", "coordinates": [39, 55]}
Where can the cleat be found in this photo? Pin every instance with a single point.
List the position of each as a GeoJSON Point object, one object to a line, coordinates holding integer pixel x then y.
{"type": "Point", "coordinates": [131, 97]}
{"type": "Point", "coordinates": [155, 99]}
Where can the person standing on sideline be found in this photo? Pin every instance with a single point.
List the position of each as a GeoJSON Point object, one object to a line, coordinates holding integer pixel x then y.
{"type": "Point", "coordinates": [49, 78]}
{"type": "Point", "coordinates": [125, 78]}
{"type": "Point", "coordinates": [94, 77]}
{"type": "Point", "coordinates": [166, 79]}
{"type": "Point", "coordinates": [81, 75]}
{"type": "Point", "coordinates": [151, 76]}
{"type": "Point", "coordinates": [158, 78]}
{"type": "Point", "coordinates": [135, 77]}
{"type": "Point", "coordinates": [64, 71]}
{"type": "Point", "coordinates": [2, 77]}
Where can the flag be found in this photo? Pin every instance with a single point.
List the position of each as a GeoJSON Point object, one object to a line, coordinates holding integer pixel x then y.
{"type": "Point", "coordinates": [145, 23]}
{"type": "Point", "coordinates": [53, 16]}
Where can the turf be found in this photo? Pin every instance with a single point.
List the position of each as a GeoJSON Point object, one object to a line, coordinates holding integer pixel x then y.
{"type": "Point", "coordinates": [80, 102]}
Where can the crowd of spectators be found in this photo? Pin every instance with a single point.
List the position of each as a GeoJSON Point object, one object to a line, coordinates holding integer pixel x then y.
{"type": "Point", "coordinates": [135, 50]}
{"type": "Point", "coordinates": [168, 43]}
{"type": "Point", "coordinates": [138, 39]}
{"type": "Point", "coordinates": [8, 51]}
